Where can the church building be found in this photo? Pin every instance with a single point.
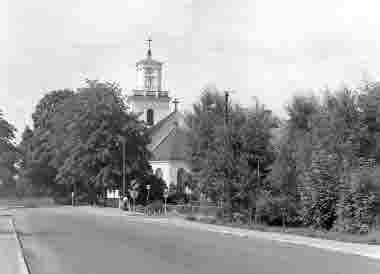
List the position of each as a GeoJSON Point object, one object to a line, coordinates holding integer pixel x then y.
{"type": "Point", "coordinates": [167, 129]}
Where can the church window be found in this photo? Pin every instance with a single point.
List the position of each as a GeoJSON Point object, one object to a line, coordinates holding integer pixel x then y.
{"type": "Point", "coordinates": [150, 117]}
{"type": "Point", "coordinates": [149, 78]}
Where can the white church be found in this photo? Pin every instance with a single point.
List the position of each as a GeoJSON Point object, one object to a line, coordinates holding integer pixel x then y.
{"type": "Point", "coordinates": [167, 129]}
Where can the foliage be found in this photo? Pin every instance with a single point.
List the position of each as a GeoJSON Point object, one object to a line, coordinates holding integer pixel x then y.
{"type": "Point", "coordinates": [38, 174]}
{"type": "Point", "coordinates": [8, 153]}
{"type": "Point", "coordinates": [359, 207]}
{"type": "Point", "coordinates": [231, 157]}
{"type": "Point", "coordinates": [157, 186]}
{"type": "Point", "coordinates": [320, 197]}
{"type": "Point", "coordinates": [321, 144]}
{"type": "Point", "coordinates": [77, 141]}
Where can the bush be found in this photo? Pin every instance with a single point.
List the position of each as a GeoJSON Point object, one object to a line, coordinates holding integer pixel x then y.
{"type": "Point", "coordinates": [273, 210]}
{"type": "Point", "coordinates": [359, 207]}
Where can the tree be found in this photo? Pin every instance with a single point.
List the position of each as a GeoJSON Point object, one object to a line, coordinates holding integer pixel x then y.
{"type": "Point", "coordinates": [8, 152]}
{"type": "Point", "coordinates": [157, 186]}
{"type": "Point", "coordinates": [225, 155]}
{"type": "Point", "coordinates": [92, 125]}
{"type": "Point", "coordinates": [37, 145]}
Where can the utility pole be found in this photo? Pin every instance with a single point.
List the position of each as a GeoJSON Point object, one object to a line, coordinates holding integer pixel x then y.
{"type": "Point", "coordinates": [124, 166]}
{"type": "Point", "coordinates": [226, 192]}
{"type": "Point", "coordinates": [226, 95]}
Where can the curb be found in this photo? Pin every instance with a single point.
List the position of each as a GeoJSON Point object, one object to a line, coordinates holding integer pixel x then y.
{"type": "Point", "coordinates": [368, 251]}
{"type": "Point", "coordinates": [324, 244]}
{"type": "Point", "coordinates": [24, 267]}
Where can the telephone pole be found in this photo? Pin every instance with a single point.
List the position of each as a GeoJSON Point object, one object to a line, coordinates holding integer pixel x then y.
{"type": "Point", "coordinates": [226, 184]}
{"type": "Point", "coordinates": [124, 166]}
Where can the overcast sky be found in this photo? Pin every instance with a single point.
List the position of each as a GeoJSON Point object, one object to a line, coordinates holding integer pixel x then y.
{"type": "Point", "coordinates": [265, 48]}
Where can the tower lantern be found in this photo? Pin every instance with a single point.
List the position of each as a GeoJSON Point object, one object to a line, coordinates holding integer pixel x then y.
{"type": "Point", "coordinates": [148, 98]}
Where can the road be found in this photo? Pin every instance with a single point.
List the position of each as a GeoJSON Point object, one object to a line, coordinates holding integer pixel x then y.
{"type": "Point", "coordinates": [68, 241]}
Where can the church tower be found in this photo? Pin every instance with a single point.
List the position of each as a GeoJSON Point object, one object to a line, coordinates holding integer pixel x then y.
{"type": "Point", "coordinates": [148, 100]}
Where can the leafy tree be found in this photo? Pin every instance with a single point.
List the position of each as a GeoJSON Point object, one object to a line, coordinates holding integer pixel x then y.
{"type": "Point", "coordinates": [322, 195]}
{"type": "Point", "coordinates": [226, 156]}
{"type": "Point", "coordinates": [93, 125]}
{"type": "Point", "coordinates": [157, 186]}
{"type": "Point", "coordinates": [48, 106]}
{"type": "Point", "coordinates": [8, 152]}
{"type": "Point", "coordinates": [37, 146]}
{"type": "Point", "coordinates": [358, 208]}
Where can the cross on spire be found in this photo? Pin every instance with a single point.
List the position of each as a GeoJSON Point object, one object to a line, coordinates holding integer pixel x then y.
{"type": "Point", "coordinates": [176, 102]}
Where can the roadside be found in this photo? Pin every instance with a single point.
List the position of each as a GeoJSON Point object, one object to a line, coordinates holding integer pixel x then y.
{"type": "Point", "coordinates": [370, 251]}
{"type": "Point", "coordinates": [11, 257]}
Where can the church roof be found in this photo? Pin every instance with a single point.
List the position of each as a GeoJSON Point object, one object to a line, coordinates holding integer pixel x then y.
{"type": "Point", "coordinates": [159, 125]}
{"type": "Point", "coordinates": [148, 60]}
{"type": "Point", "coordinates": [172, 147]}
{"type": "Point", "coordinates": [169, 138]}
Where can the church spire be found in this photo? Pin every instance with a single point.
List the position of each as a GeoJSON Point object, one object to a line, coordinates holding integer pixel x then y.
{"type": "Point", "coordinates": [149, 53]}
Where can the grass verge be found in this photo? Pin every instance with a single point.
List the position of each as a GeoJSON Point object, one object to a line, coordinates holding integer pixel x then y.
{"type": "Point", "coordinates": [372, 238]}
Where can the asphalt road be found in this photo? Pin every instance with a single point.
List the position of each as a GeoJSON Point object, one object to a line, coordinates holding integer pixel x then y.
{"type": "Point", "coordinates": [67, 241]}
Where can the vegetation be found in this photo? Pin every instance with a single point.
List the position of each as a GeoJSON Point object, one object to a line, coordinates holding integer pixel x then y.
{"type": "Point", "coordinates": [76, 143]}
{"type": "Point", "coordinates": [8, 156]}
{"type": "Point", "coordinates": [318, 169]}
{"type": "Point", "coordinates": [230, 155]}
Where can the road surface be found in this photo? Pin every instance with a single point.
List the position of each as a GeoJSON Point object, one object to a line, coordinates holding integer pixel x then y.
{"type": "Point", "coordinates": [68, 241]}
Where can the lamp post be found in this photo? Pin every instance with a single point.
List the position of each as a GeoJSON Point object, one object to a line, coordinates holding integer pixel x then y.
{"type": "Point", "coordinates": [124, 166]}
{"type": "Point", "coordinates": [134, 194]}
{"type": "Point", "coordinates": [166, 194]}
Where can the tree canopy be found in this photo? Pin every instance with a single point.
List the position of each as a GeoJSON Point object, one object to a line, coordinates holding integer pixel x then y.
{"type": "Point", "coordinates": [78, 140]}
{"type": "Point", "coordinates": [8, 152]}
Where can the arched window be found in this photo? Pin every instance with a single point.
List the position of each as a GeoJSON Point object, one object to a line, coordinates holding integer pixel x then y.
{"type": "Point", "coordinates": [150, 117]}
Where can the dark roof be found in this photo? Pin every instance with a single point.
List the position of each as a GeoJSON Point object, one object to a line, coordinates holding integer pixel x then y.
{"type": "Point", "coordinates": [172, 147]}
{"type": "Point", "coordinates": [157, 126]}
{"type": "Point", "coordinates": [148, 61]}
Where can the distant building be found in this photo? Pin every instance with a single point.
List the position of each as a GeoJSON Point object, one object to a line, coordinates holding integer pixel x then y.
{"type": "Point", "coordinates": [167, 129]}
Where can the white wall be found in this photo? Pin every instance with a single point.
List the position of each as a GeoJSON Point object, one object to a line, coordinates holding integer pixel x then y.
{"type": "Point", "coordinates": [160, 106]}
{"type": "Point", "coordinates": [169, 169]}
{"type": "Point", "coordinates": [165, 167]}
{"type": "Point", "coordinates": [156, 72]}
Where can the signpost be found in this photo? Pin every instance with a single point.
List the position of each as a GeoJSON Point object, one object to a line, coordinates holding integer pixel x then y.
{"type": "Point", "coordinates": [147, 197]}
{"type": "Point", "coordinates": [134, 194]}
{"type": "Point", "coordinates": [166, 194]}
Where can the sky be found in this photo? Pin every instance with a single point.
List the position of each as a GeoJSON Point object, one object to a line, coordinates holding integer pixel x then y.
{"type": "Point", "coordinates": [259, 48]}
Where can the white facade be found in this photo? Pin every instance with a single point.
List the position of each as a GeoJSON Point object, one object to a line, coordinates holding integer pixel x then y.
{"type": "Point", "coordinates": [160, 107]}
{"type": "Point", "coordinates": [148, 95]}
{"type": "Point", "coordinates": [170, 170]}
{"type": "Point", "coordinates": [149, 76]}
{"type": "Point", "coordinates": [149, 100]}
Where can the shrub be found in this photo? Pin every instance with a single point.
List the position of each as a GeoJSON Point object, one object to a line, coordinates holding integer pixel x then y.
{"type": "Point", "coordinates": [274, 209]}
{"type": "Point", "coordinates": [359, 206]}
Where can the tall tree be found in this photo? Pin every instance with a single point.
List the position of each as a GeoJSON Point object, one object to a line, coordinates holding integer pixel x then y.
{"type": "Point", "coordinates": [8, 152]}
{"type": "Point", "coordinates": [93, 125]}
{"type": "Point", "coordinates": [38, 144]}
{"type": "Point", "coordinates": [226, 156]}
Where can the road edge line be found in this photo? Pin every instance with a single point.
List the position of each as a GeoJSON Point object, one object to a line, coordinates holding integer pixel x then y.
{"type": "Point", "coordinates": [21, 256]}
